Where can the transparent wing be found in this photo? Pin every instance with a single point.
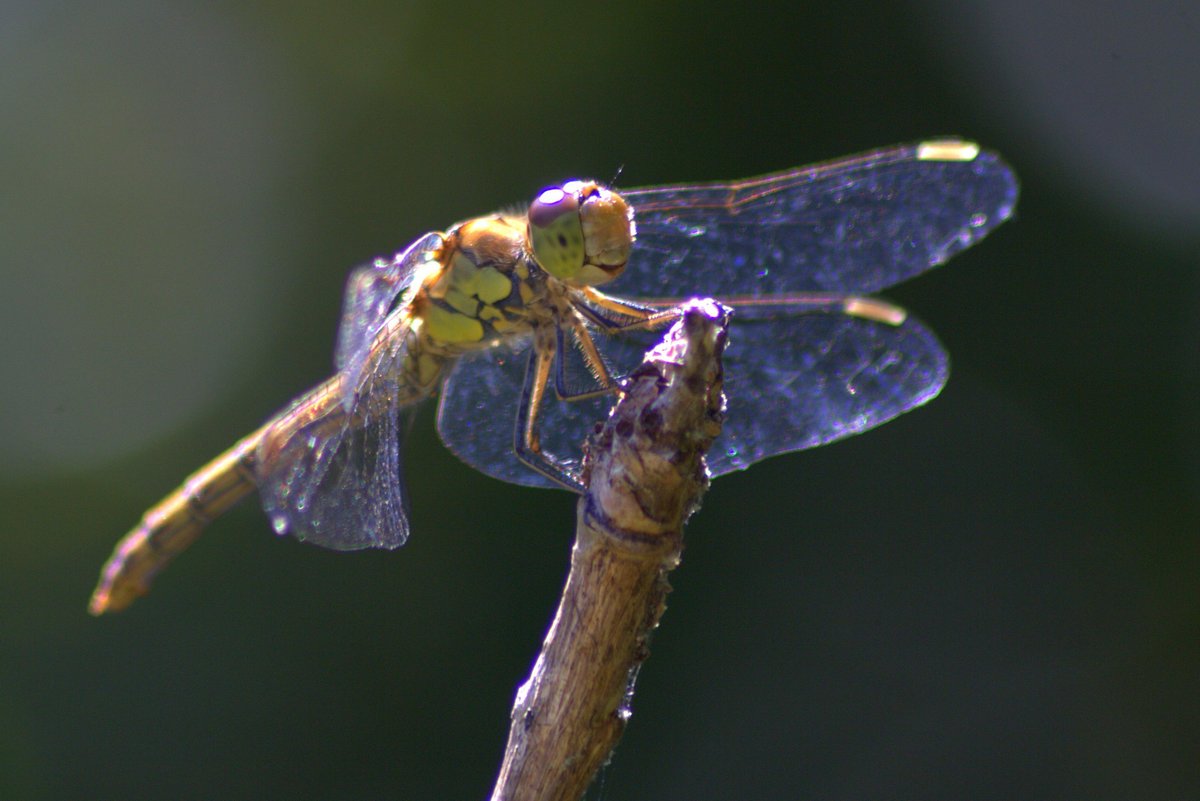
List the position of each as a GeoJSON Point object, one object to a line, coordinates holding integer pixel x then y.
{"type": "Point", "coordinates": [794, 380]}
{"type": "Point", "coordinates": [830, 376]}
{"type": "Point", "coordinates": [372, 291]}
{"type": "Point", "coordinates": [477, 413]}
{"type": "Point", "coordinates": [334, 476]}
{"type": "Point", "coordinates": [856, 225]}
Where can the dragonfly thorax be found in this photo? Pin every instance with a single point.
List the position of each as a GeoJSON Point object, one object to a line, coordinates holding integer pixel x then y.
{"type": "Point", "coordinates": [487, 288]}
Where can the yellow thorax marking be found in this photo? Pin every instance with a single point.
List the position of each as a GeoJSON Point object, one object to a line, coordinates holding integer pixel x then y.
{"type": "Point", "coordinates": [468, 289]}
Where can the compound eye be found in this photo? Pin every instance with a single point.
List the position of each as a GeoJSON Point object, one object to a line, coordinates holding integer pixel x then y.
{"type": "Point", "coordinates": [551, 204]}
{"type": "Point", "coordinates": [556, 233]}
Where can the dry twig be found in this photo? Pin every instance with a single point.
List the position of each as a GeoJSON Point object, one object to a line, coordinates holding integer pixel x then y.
{"type": "Point", "coordinates": [645, 473]}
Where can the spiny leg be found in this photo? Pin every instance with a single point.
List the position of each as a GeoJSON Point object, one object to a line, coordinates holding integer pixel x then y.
{"type": "Point", "coordinates": [592, 357]}
{"type": "Point", "coordinates": [526, 443]}
{"type": "Point", "coordinates": [638, 317]}
{"type": "Point", "coordinates": [634, 317]}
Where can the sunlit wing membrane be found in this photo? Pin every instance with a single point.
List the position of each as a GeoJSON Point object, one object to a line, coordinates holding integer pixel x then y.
{"type": "Point", "coordinates": [478, 408]}
{"type": "Point", "coordinates": [372, 291]}
{"type": "Point", "coordinates": [829, 376]}
{"type": "Point", "coordinates": [335, 477]}
{"type": "Point", "coordinates": [857, 225]}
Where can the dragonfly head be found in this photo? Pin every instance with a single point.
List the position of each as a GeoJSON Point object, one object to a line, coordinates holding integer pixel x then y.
{"type": "Point", "coordinates": [581, 232]}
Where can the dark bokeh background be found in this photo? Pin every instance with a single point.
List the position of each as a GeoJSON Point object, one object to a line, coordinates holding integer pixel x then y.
{"type": "Point", "coordinates": [994, 597]}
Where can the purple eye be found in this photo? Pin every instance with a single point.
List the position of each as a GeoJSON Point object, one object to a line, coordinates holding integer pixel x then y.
{"type": "Point", "coordinates": [556, 231]}
{"type": "Point", "coordinates": [550, 205]}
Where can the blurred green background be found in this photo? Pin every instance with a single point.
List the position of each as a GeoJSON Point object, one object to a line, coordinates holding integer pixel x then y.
{"type": "Point", "coordinates": [993, 597]}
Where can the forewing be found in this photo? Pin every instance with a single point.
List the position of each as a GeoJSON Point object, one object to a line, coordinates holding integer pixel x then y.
{"type": "Point", "coordinates": [372, 291]}
{"type": "Point", "coordinates": [334, 476]}
{"type": "Point", "coordinates": [855, 225]}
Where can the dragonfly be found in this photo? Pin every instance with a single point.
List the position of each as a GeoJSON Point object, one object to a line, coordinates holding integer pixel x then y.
{"type": "Point", "coordinates": [502, 316]}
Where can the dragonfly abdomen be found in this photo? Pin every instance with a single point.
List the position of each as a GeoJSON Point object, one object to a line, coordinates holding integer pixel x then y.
{"type": "Point", "coordinates": [174, 523]}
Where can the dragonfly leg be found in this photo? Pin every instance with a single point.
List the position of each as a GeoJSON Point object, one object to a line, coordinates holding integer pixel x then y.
{"type": "Point", "coordinates": [605, 384]}
{"type": "Point", "coordinates": [632, 316]}
{"type": "Point", "coordinates": [526, 444]}
{"type": "Point", "coordinates": [627, 316]}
